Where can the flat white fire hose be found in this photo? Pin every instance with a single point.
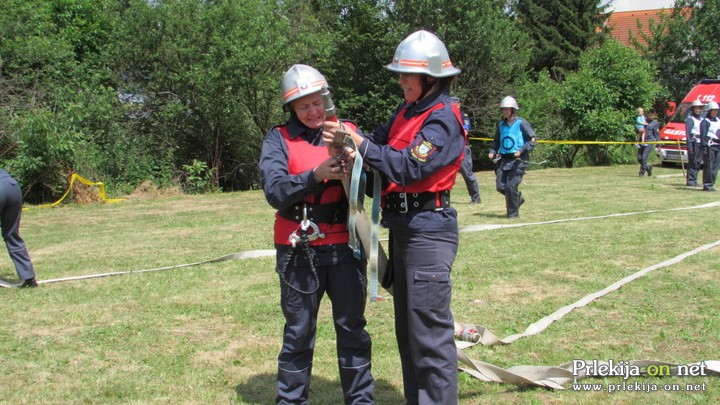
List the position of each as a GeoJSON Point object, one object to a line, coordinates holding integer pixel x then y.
{"type": "Point", "coordinates": [556, 377]}
{"type": "Point", "coordinates": [248, 254]}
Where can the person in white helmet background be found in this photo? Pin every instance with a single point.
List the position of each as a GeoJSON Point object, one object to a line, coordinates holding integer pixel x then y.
{"type": "Point", "coordinates": [651, 133]}
{"type": "Point", "coordinates": [418, 153]}
{"type": "Point", "coordinates": [692, 141]}
{"type": "Point", "coordinates": [304, 183]}
{"type": "Point", "coordinates": [514, 139]}
{"type": "Point", "coordinates": [710, 141]}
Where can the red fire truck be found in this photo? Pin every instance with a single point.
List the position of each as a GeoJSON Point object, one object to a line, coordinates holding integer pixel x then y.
{"type": "Point", "coordinates": [706, 90]}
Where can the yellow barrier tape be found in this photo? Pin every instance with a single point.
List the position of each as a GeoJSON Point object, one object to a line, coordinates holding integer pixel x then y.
{"type": "Point", "coordinates": [81, 179]}
{"type": "Point", "coordinates": [569, 142]}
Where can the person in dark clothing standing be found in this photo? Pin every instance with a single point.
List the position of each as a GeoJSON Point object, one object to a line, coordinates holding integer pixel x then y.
{"type": "Point", "coordinates": [694, 148]}
{"type": "Point", "coordinates": [710, 140]}
{"type": "Point", "coordinates": [10, 208]}
{"type": "Point", "coordinates": [313, 258]}
{"type": "Point", "coordinates": [419, 152]}
{"type": "Point", "coordinates": [514, 139]}
{"type": "Point", "coordinates": [651, 134]}
{"type": "Point", "coordinates": [466, 170]}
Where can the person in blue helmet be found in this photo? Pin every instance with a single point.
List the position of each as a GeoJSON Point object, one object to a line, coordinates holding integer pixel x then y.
{"type": "Point", "coordinates": [466, 170]}
{"type": "Point", "coordinates": [304, 184]}
{"type": "Point", "coordinates": [418, 153]}
{"type": "Point", "coordinates": [10, 208]}
{"type": "Point", "coordinates": [694, 147]}
{"type": "Point", "coordinates": [514, 139]}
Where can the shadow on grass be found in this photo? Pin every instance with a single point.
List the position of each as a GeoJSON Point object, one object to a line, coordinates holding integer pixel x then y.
{"type": "Point", "coordinates": [260, 389]}
{"type": "Point", "coordinates": [9, 280]}
{"type": "Point", "coordinates": [489, 215]}
{"type": "Point", "coordinates": [682, 186]}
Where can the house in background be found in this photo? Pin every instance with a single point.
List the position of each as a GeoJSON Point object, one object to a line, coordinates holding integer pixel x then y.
{"type": "Point", "coordinates": [623, 23]}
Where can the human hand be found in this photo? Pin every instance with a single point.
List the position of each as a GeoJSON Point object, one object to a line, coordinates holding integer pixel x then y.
{"type": "Point", "coordinates": [329, 169]}
{"type": "Point", "coordinates": [334, 133]}
{"type": "Point", "coordinates": [491, 156]}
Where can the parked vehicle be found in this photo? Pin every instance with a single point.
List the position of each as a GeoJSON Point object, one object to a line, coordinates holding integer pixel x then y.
{"type": "Point", "coordinates": [706, 90]}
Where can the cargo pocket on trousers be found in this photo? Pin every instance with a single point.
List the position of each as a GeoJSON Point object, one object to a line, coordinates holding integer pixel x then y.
{"type": "Point", "coordinates": [431, 290]}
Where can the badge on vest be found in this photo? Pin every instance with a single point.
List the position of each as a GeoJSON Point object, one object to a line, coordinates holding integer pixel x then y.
{"type": "Point", "coordinates": [422, 151]}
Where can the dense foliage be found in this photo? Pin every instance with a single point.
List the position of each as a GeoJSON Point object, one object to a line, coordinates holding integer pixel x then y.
{"type": "Point", "coordinates": [683, 45]}
{"type": "Point", "coordinates": [183, 91]}
{"type": "Point", "coordinates": [561, 31]}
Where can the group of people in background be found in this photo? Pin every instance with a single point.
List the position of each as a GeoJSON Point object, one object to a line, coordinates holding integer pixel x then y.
{"type": "Point", "coordinates": [702, 140]}
{"type": "Point", "coordinates": [703, 144]}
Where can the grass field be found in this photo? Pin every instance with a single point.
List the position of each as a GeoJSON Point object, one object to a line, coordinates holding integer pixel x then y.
{"type": "Point", "coordinates": [210, 334]}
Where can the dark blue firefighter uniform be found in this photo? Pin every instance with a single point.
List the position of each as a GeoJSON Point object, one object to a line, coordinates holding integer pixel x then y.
{"type": "Point", "coordinates": [652, 134]}
{"type": "Point", "coordinates": [10, 209]}
{"type": "Point", "coordinates": [466, 170]}
{"type": "Point", "coordinates": [340, 275]}
{"type": "Point", "coordinates": [511, 137]}
{"type": "Point", "coordinates": [423, 249]}
{"type": "Point", "coordinates": [710, 140]}
{"type": "Point", "coordinates": [694, 148]}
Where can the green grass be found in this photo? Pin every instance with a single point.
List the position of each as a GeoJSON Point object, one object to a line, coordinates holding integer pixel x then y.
{"type": "Point", "coordinates": [211, 334]}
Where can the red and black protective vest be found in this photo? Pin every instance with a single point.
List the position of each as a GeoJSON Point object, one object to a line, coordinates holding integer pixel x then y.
{"type": "Point", "coordinates": [402, 133]}
{"type": "Point", "coordinates": [302, 157]}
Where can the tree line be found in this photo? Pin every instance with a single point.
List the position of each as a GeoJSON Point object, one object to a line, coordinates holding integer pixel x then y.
{"type": "Point", "coordinates": [183, 91]}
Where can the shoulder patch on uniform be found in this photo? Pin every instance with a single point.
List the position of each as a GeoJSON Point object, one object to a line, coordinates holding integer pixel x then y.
{"type": "Point", "coordinates": [422, 151]}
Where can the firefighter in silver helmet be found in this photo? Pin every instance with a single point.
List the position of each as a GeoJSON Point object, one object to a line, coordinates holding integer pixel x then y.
{"type": "Point", "coordinates": [514, 139]}
{"type": "Point", "coordinates": [311, 237]}
{"type": "Point", "coordinates": [419, 152]}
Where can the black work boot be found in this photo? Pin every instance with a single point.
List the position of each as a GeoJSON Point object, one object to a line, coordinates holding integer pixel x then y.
{"type": "Point", "coordinates": [29, 283]}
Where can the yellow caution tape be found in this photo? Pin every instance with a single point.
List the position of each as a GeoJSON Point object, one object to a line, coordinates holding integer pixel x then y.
{"type": "Point", "coordinates": [81, 179]}
{"type": "Point", "coordinates": [569, 142]}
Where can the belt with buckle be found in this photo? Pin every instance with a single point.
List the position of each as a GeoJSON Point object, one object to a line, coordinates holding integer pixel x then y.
{"type": "Point", "coordinates": [333, 213]}
{"type": "Point", "coordinates": [425, 201]}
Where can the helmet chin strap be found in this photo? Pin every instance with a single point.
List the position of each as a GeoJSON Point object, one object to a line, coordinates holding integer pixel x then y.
{"type": "Point", "coordinates": [428, 86]}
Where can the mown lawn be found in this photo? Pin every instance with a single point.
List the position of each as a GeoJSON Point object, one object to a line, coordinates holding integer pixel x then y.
{"type": "Point", "coordinates": [210, 334]}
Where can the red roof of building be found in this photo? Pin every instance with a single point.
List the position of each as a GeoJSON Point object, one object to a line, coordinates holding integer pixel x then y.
{"type": "Point", "coordinates": [623, 23]}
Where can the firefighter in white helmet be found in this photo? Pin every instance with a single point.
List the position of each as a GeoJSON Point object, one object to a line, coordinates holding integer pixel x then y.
{"type": "Point", "coordinates": [419, 152]}
{"type": "Point", "coordinates": [311, 237]}
{"type": "Point", "coordinates": [514, 139]}
{"type": "Point", "coordinates": [692, 141]}
{"type": "Point", "coordinates": [710, 140]}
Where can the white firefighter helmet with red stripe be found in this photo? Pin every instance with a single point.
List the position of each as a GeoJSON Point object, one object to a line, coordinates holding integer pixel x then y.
{"type": "Point", "coordinates": [301, 80]}
{"type": "Point", "coordinates": [423, 52]}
